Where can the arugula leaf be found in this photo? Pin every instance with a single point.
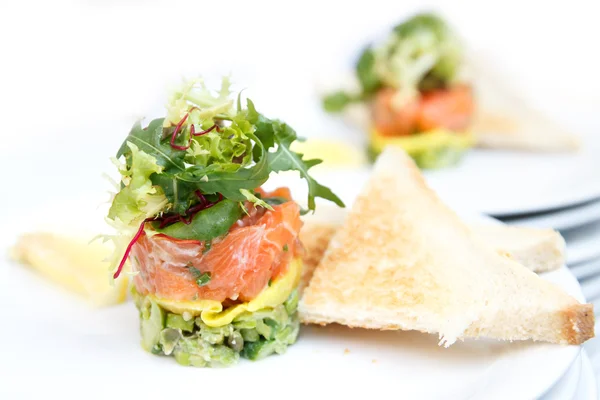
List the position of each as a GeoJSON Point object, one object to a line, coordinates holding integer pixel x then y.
{"type": "Point", "coordinates": [284, 159]}
{"type": "Point", "coordinates": [365, 71]}
{"type": "Point", "coordinates": [264, 127]}
{"type": "Point", "coordinates": [151, 141]}
{"type": "Point", "coordinates": [337, 101]}
{"type": "Point", "coordinates": [179, 193]}
{"type": "Point", "coordinates": [275, 201]}
{"type": "Point", "coordinates": [207, 224]}
{"type": "Point", "coordinates": [229, 183]}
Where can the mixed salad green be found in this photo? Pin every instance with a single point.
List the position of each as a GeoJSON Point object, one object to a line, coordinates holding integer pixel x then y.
{"type": "Point", "coordinates": [189, 174]}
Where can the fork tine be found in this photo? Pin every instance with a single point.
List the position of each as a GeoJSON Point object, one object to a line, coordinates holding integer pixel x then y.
{"type": "Point", "coordinates": [586, 269]}
{"type": "Point", "coordinates": [591, 291]}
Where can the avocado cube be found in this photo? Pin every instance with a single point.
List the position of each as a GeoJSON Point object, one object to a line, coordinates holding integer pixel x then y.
{"type": "Point", "coordinates": [176, 321]}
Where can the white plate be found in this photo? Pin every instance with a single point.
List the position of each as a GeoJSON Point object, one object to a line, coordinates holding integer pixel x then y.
{"type": "Point", "coordinates": [588, 386]}
{"type": "Point", "coordinates": [567, 218]}
{"type": "Point", "coordinates": [568, 385]}
{"type": "Point", "coordinates": [100, 349]}
{"type": "Point", "coordinates": [502, 183]}
{"type": "Point", "coordinates": [583, 243]}
{"type": "Point", "coordinates": [57, 340]}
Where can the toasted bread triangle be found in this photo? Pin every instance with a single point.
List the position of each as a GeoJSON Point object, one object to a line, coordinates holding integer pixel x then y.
{"type": "Point", "coordinates": [403, 260]}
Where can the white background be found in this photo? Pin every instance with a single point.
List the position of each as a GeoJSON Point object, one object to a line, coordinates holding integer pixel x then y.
{"type": "Point", "coordinates": [67, 63]}
{"type": "Point", "coordinates": [76, 74]}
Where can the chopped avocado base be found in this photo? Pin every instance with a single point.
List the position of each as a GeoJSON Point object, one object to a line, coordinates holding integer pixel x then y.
{"type": "Point", "coordinates": [430, 150]}
{"type": "Point", "coordinates": [251, 335]}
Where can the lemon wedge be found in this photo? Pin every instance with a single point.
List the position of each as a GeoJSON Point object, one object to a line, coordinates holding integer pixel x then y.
{"type": "Point", "coordinates": [73, 264]}
{"type": "Point", "coordinates": [334, 153]}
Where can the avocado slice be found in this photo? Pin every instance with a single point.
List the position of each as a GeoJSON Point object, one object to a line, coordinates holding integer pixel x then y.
{"type": "Point", "coordinates": [152, 323]}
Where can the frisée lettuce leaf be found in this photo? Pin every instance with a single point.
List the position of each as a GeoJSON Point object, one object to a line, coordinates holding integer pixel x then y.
{"type": "Point", "coordinates": [139, 198]}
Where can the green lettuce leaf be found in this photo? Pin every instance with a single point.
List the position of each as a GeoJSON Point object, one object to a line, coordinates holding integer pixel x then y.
{"type": "Point", "coordinates": [229, 152]}
{"type": "Point", "coordinates": [202, 104]}
{"type": "Point", "coordinates": [338, 101]}
{"type": "Point", "coordinates": [139, 199]}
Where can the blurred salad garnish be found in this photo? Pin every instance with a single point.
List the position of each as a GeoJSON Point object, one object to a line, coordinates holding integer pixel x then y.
{"type": "Point", "coordinates": [421, 53]}
{"type": "Point", "coordinates": [412, 84]}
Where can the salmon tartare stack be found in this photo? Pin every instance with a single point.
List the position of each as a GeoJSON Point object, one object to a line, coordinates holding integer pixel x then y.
{"type": "Point", "coordinates": [215, 258]}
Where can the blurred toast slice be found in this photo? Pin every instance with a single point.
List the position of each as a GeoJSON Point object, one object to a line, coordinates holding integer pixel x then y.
{"type": "Point", "coordinates": [504, 120]}
{"type": "Point", "coordinates": [540, 250]}
{"type": "Point", "coordinates": [403, 260]}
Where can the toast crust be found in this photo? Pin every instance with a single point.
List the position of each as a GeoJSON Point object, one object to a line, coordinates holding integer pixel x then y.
{"type": "Point", "coordinates": [579, 324]}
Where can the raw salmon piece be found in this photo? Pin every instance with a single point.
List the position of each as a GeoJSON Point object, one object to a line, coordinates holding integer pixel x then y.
{"type": "Point", "coordinates": [162, 268]}
{"type": "Point", "coordinates": [446, 108]}
{"type": "Point", "coordinates": [442, 108]}
{"type": "Point", "coordinates": [391, 122]}
{"type": "Point", "coordinates": [240, 263]}
{"type": "Point", "coordinates": [278, 192]}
